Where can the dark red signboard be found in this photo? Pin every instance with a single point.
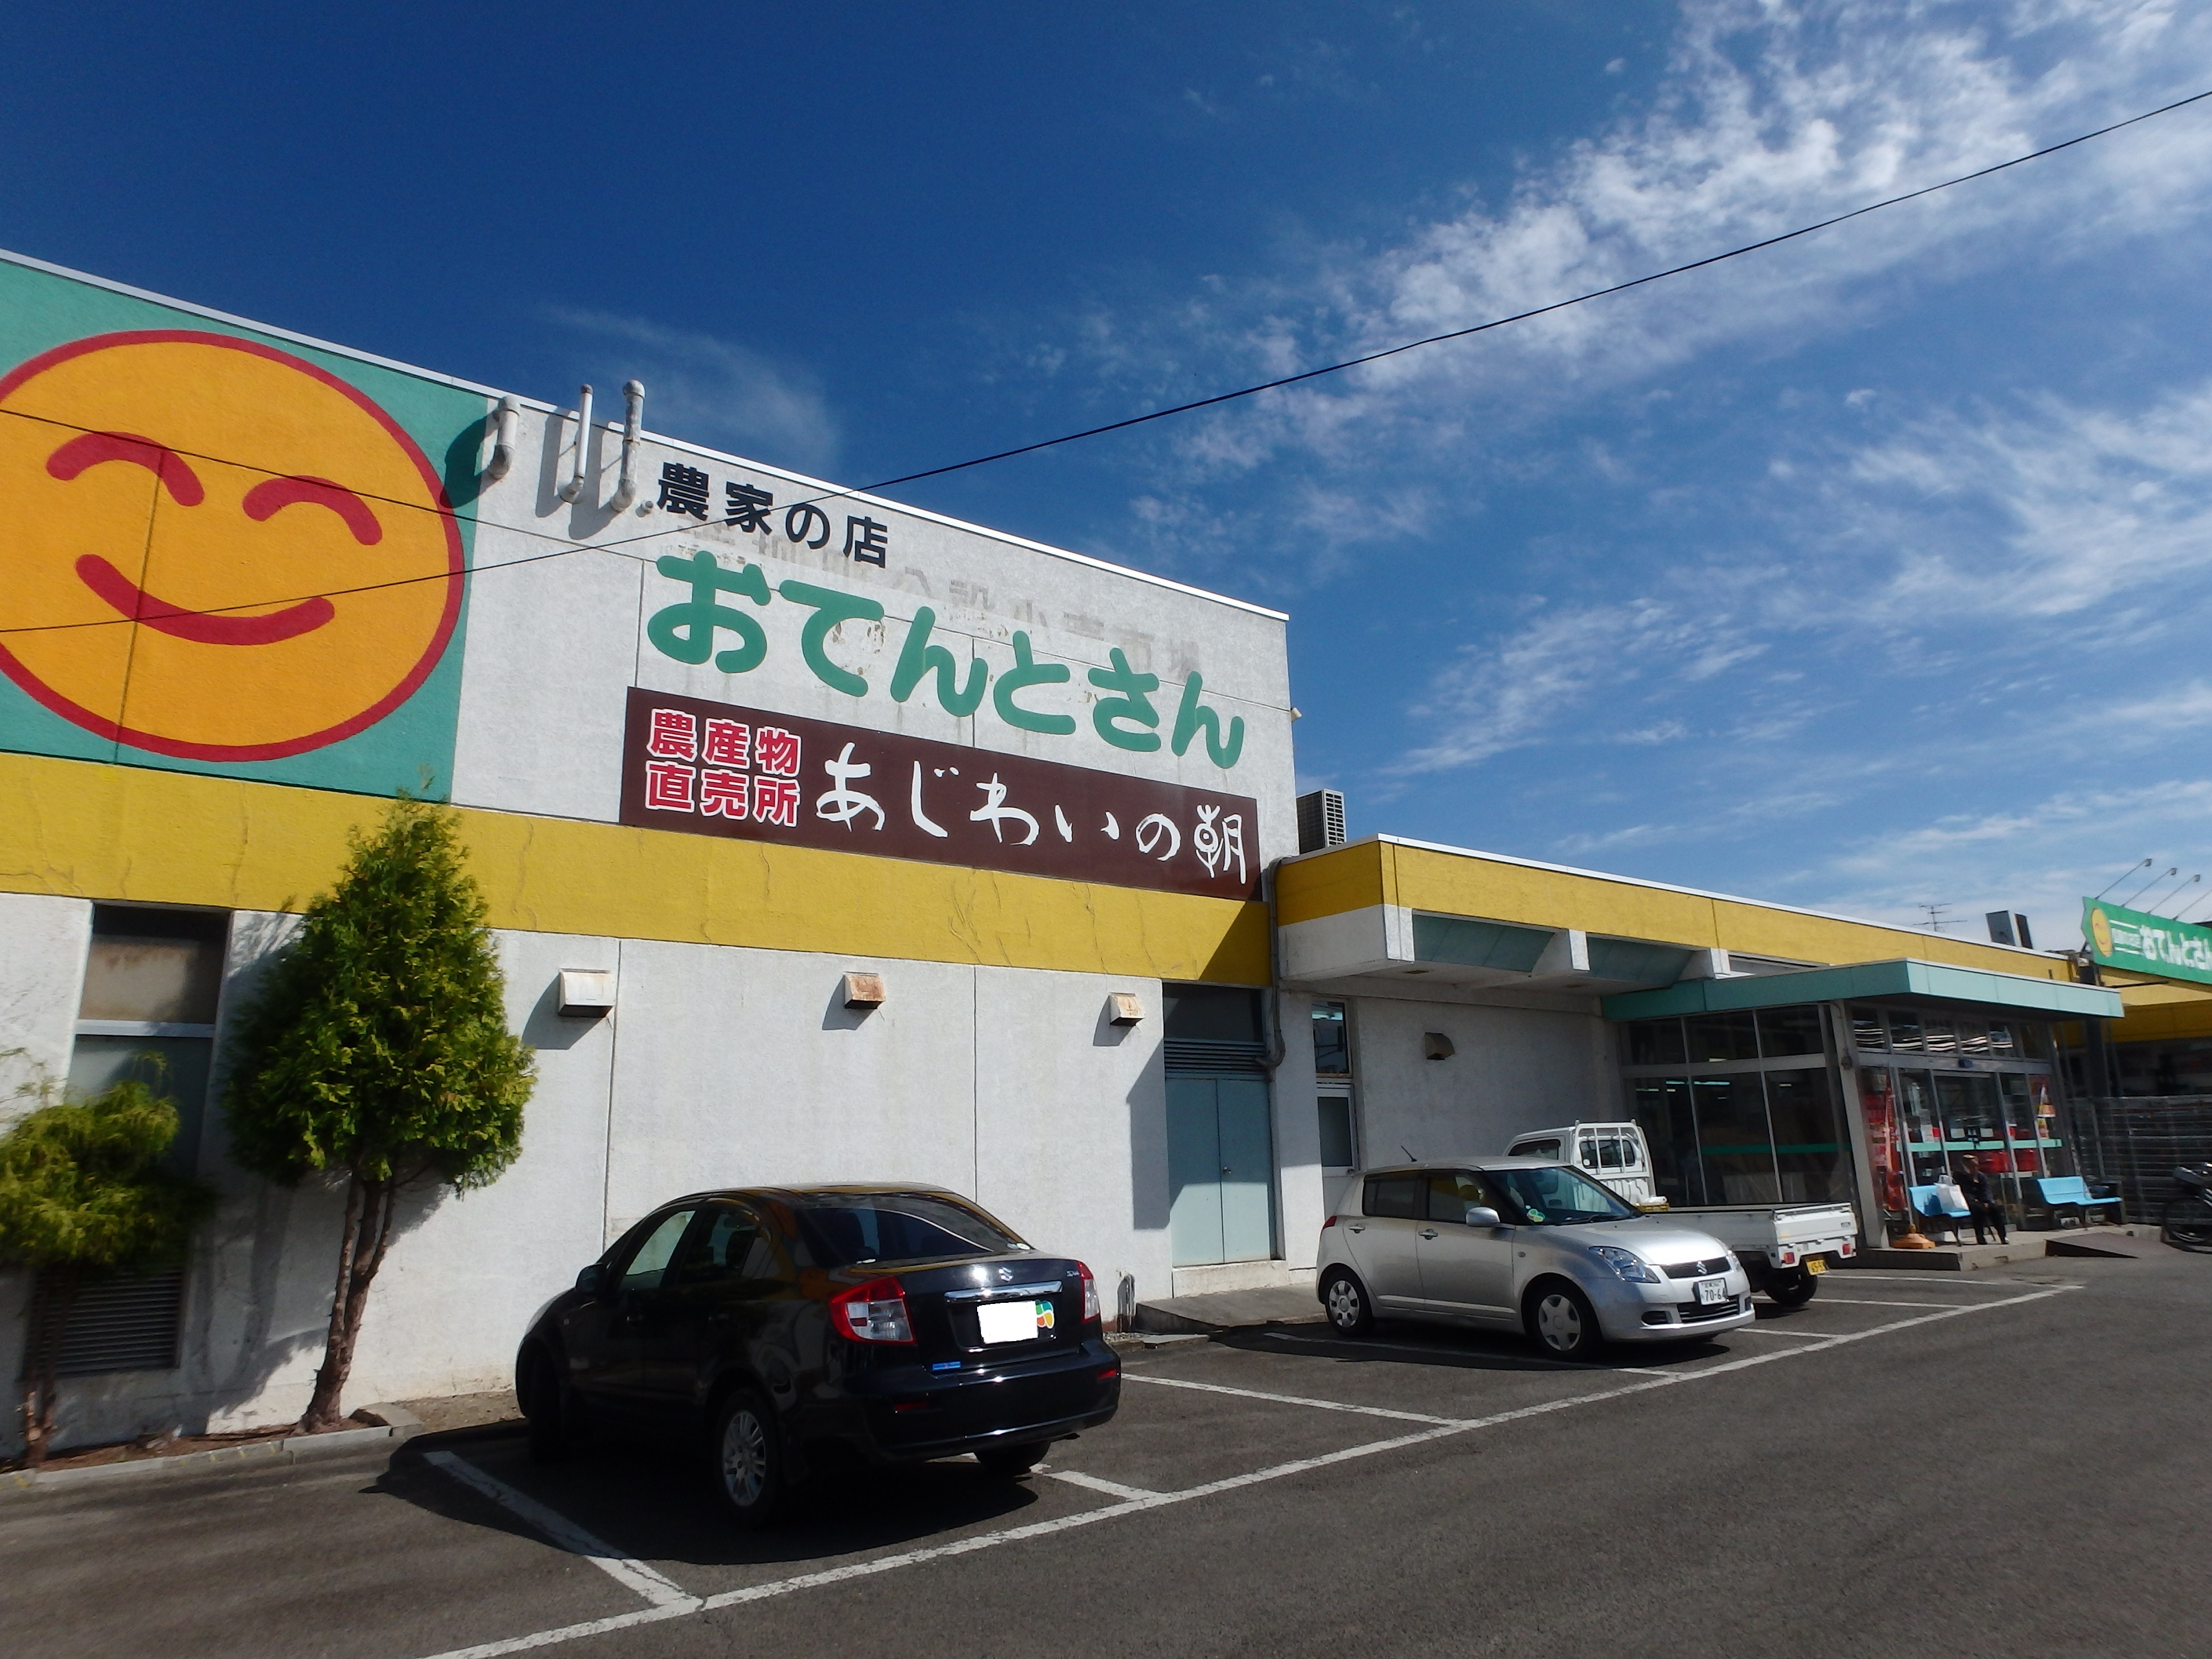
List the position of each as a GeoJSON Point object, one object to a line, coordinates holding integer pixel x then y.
{"type": "Point", "coordinates": [712, 768]}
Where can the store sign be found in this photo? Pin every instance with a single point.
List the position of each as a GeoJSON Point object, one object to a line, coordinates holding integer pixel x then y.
{"type": "Point", "coordinates": [2145, 944]}
{"type": "Point", "coordinates": [715, 768]}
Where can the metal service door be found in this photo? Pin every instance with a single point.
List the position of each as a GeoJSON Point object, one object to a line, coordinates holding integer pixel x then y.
{"type": "Point", "coordinates": [1220, 1170]}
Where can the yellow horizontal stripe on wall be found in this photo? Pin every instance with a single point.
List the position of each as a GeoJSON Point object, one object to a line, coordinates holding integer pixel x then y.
{"type": "Point", "coordinates": [88, 831]}
{"type": "Point", "coordinates": [1465, 884]}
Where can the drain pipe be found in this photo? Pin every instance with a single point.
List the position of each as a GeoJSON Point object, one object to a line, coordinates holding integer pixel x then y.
{"type": "Point", "coordinates": [633, 416]}
{"type": "Point", "coordinates": [574, 486]}
{"type": "Point", "coordinates": [502, 440]}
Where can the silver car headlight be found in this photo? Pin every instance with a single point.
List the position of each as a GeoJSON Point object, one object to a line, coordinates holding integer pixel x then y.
{"type": "Point", "coordinates": [1625, 1264]}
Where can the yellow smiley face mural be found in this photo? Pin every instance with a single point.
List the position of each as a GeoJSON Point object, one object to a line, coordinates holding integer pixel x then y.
{"type": "Point", "coordinates": [215, 549]}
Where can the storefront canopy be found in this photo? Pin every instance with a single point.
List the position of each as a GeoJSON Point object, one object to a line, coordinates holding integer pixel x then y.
{"type": "Point", "coordinates": [1901, 980]}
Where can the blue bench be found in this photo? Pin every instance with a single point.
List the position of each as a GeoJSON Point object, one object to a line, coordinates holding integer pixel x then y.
{"type": "Point", "coordinates": [2064, 1191]}
{"type": "Point", "coordinates": [1928, 1204]}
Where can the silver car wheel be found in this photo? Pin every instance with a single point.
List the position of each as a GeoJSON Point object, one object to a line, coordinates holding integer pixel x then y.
{"type": "Point", "coordinates": [744, 1458]}
{"type": "Point", "coordinates": [1343, 1304]}
{"type": "Point", "coordinates": [1559, 1322]}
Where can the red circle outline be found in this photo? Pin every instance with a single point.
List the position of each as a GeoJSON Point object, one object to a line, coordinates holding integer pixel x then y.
{"type": "Point", "coordinates": [457, 565]}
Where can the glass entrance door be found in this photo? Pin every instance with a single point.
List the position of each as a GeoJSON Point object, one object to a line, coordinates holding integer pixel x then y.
{"type": "Point", "coordinates": [1221, 1160]}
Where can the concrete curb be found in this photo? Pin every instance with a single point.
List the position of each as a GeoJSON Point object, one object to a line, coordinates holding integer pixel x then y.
{"type": "Point", "coordinates": [259, 1454]}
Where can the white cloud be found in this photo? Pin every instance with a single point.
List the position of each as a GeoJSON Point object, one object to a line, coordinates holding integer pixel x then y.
{"type": "Point", "coordinates": [1506, 693]}
{"type": "Point", "coordinates": [1769, 116]}
{"type": "Point", "coordinates": [712, 391]}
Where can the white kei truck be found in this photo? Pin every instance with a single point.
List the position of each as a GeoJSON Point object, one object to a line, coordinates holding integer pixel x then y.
{"type": "Point", "coordinates": [1784, 1247]}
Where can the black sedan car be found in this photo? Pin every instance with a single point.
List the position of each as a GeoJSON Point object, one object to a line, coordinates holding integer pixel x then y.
{"type": "Point", "coordinates": [787, 1328]}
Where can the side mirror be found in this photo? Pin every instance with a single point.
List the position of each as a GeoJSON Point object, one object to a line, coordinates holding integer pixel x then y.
{"type": "Point", "coordinates": [593, 1279]}
{"type": "Point", "coordinates": [1481, 1215]}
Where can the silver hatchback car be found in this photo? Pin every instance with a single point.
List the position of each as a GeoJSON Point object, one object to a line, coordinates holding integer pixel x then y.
{"type": "Point", "coordinates": [1526, 1244]}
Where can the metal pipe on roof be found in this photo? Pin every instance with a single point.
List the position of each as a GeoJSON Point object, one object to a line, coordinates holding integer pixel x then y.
{"type": "Point", "coordinates": [581, 415]}
{"type": "Point", "coordinates": [633, 418]}
{"type": "Point", "coordinates": [502, 440]}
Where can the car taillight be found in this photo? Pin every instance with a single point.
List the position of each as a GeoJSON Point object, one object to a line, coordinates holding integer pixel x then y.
{"type": "Point", "coordinates": [1327, 1225]}
{"type": "Point", "coordinates": [1089, 1294]}
{"type": "Point", "coordinates": [873, 1312]}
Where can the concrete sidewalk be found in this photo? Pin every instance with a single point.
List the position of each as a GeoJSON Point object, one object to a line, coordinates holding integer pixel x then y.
{"type": "Point", "coordinates": [2130, 1241]}
{"type": "Point", "coordinates": [1223, 1310]}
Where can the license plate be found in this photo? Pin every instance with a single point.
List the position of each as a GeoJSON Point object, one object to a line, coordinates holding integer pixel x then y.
{"type": "Point", "coordinates": [1014, 1322]}
{"type": "Point", "coordinates": [1816, 1264]}
{"type": "Point", "coordinates": [1712, 1291]}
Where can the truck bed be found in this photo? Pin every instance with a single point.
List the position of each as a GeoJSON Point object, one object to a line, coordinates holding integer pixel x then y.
{"type": "Point", "coordinates": [1767, 1228]}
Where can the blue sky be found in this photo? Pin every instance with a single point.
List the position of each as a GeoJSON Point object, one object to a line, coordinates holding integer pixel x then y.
{"type": "Point", "coordinates": [1870, 571]}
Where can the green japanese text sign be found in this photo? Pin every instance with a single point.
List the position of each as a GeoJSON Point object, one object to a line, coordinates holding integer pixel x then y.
{"type": "Point", "coordinates": [2146, 944]}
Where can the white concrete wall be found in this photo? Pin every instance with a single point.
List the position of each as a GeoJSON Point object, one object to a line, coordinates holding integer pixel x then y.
{"type": "Point", "coordinates": [1513, 1069]}
{"type": "Point", "coordinates": [1302, 1198]}
{"type": "Point", "coordinates": [719, 1067]}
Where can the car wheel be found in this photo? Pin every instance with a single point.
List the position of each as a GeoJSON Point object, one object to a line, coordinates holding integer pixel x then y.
{"type": "Point", "coordinates": [1561, 1319]}
{"type": "Point", "coordinates": [1011, 1463]}
{"type": "Point", "coordinates": [749, 1468]}
{"type": "Point", "coordinates": [1793, 1289]}
{"type": "Point", "coordinates": [544, 1405]}
{"type": "Point", "coordinates": [1346, 1300]}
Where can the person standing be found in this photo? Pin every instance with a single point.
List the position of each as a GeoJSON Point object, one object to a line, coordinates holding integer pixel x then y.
{"type": "Point", "coordinates": [1974, 1187]}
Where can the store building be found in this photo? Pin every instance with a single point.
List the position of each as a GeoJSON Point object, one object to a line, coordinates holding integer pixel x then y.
{"type": "Point", "coordinates": [823, 838]}
{"type": "Point", "coordinates": [1770, 1054]}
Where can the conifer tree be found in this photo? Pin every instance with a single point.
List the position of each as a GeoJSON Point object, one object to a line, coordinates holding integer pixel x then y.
{"type": "Point", "coordinates": [376, 1053]}
{"type": "Point", "coordinates": [84, 1192]}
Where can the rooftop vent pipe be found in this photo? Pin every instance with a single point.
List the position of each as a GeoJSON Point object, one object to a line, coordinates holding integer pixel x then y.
{"type": "Point", "coordinates": [633, 414]}
{"type": "Point", "coordinates": [574, 486]}
{"type": "Point", "coordinates": [502, 440]}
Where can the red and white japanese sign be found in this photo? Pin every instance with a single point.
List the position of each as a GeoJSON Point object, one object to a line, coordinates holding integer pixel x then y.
{"type": "Point", "coordinates": [714, 769]}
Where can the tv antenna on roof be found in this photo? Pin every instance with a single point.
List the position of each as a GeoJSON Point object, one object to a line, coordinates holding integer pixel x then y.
{"type": "Point", "coordinates": [1935, 923]}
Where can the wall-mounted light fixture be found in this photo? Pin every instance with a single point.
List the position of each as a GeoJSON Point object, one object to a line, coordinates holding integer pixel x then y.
{"type": "Point", "coordinates": [1437, 1046]}
{"type": "Point", "coordinates": [1123, 1008]}
{"type": "Point", "coordinates": [586, 993]}
{"type": "Point", "coordinates": [863, 990]}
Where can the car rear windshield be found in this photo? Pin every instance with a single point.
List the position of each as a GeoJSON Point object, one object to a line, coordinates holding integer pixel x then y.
{"type": "Point", "coordinates": [844, 1232]}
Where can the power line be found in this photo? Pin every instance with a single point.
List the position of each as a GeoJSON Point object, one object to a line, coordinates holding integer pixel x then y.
{"type": "Point", "coordinates": [567, 548]}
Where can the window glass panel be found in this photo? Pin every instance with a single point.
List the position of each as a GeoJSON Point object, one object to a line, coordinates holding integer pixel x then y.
{"type": "Point", "coordinates": [1938, 1037]}
{"type": "Point", "coordinates": [1394, 1195]}
{"type": "Point", "coordinates": [719, 1253]}
{"type": "Point", "coordinates": [1973, 1037]}
{"type": "Point", "coordinates": [1547, 1147]}
{"type": "Point", "coordinates": [1449, 1196]}
{"type": "Point", "coordinates": [1210, 1013]}
{"type": "Point", "coordinates": [899, 1227]}
{"type": "Point", "coordinates": [1784, 1031]}
{"type": "Point", "coordinates": [1610, 1155]}
{"type": "Point", "coordinates": [1654, 1042]}
{"type": "Point", "coordinates": [1916, 1116]}
{"type": "Point", "coordinates": [2034, 1039]}
{"type": "Point", "coordinates": [1336, 1112]}
{"type": "Point", "coordinates": [176, 1067]}
{"type": "Point", "coordinates": [1586, 1152]}
{"type": "Point", "coordinates": [1733, 1140]}
{"type": "Point", "coordinates": [1809, 1152]}
{"type": "Point", "coordinates": [649, 1261]}
{"type": "Point", "coordinates": [1721, 1036]}
{"type": "Point", "coordinates": [1332, 1052]}
{"type": "Point", "coordinates": [1866, 1029]}
{"type": "Point", "coordinates": [2001, 1038]}
{"type": "Point", "coordinates": [162, 966]}
{"type": "Point", "coordinates": [1662, 1109]}
{"type": "Point", "coordinates": [1905, 1032]}
{"type": "Point", "coordinates": [1878, 1100]}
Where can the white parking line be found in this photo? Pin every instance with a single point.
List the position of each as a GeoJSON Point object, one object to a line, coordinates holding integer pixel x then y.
{"type": "Point", "coordinates": [1876, 1302]}
{"type": "Point", "coordinates": [574, 1538]}
{"type": "Point", "coordinates": [1537, 1361]}
{"type": "Point", "coordinates": [1094, 1483]}
{"type": "Point", "coordinates": [1803, 1336]}
{"type": "Point", "coordinates": [654, 1587]}
{"type": "Point", "coordinates": [1286, 1398]}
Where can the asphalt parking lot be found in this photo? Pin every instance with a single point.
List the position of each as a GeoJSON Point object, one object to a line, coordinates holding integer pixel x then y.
{"type": "Point", "coordinates": [2008, 1462]}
